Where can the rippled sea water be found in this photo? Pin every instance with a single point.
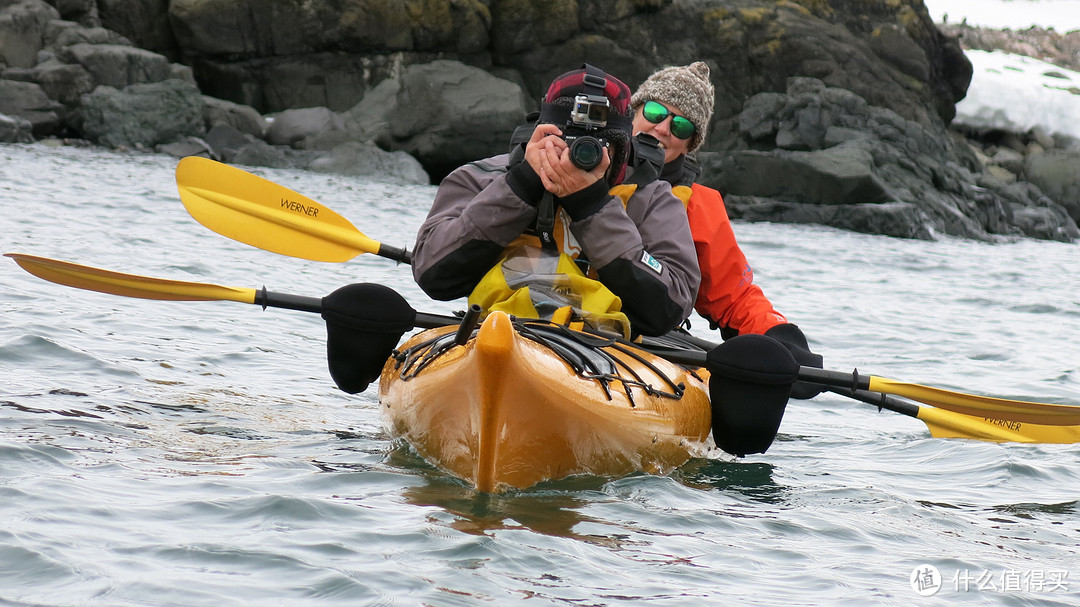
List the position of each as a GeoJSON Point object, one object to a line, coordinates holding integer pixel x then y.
{"type": "Point", "coordinates": [197, 453]}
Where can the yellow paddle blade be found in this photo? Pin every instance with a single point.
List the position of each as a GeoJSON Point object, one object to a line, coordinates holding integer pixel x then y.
{"type": "Point", "coordinates": [981, 406]}
{"type": "Point", "coordinates": [263, 214]}
{"type": "Point", "coordinates": [949, 424]}
{"type": "Point", "coordinates": [127, 285]}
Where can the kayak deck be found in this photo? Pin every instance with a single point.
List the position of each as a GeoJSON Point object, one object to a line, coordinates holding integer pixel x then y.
{"type": "Point", "coordinates": [517, 405]}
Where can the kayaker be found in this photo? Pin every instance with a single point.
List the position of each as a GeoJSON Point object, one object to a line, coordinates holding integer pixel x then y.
{"type": "Point", "coordinates": [675, 105]}
{"type": "Point", "coordinates": [547, 227]}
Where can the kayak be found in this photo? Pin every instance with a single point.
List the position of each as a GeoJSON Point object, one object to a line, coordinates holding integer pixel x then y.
{"type": "Point", "coordinates": [520, 402]}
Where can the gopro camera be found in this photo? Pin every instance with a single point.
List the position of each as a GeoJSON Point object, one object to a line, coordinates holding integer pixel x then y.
{"type": "Point", "coordinates": [590, 111]}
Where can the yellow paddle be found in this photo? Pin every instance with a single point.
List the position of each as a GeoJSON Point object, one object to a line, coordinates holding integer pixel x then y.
{"type": "Point", "coordinates": [949, 424]}
{"type": "Point", "coordinates": [245, 207]}
{"type": "Point", "coordinates": [263, 214]}
{"type": "Point", "coordinates": [987, 407]}
{"type": "Point", "coordinates": [942, 423]}
{"type": "Point", "coordinates": [145, 287]}
{"type": "Point", "coordinates": [960, 402]}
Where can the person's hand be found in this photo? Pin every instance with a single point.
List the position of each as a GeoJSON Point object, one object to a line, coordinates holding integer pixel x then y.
{"type": "Point", "coordinates": [793, 339]}
{"type": "Point", "coordinates": [562, 178]}
{"type": "Point", "coordinates": [539, 143]}
{"type": "Point", "coordinates": [549, 155]}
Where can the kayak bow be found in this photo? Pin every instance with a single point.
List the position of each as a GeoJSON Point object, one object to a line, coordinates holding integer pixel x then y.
{"type": "Point", "coordinates": [511, 408]}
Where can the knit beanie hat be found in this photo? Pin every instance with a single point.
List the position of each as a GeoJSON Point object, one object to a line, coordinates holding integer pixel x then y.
{"type": "Point", "coordinates": [689, 89]}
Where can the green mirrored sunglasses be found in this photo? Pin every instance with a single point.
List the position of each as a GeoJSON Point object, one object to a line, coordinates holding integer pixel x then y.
{"type": "Point", "coordinates": [655, 113]}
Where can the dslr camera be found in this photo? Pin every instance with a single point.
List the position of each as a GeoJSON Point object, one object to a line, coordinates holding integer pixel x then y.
{"type": "Point", "coordinates": [589, 114]}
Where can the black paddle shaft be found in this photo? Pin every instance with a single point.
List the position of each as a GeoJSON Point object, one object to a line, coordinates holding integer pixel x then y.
{"type": "Point", "coordinates": [303, 303]}
{"type": "Point", "coordinates": [839, 379]}
{"type": "Point", "coordinates": [397, 254]}
{"type": "Point", "coordinates": [268, 299]}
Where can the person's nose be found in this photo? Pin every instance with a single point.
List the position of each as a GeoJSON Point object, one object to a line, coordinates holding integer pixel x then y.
{"type": "Point", "coordinates": [664, 126]}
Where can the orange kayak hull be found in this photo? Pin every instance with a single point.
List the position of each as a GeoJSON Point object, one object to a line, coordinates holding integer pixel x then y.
{"type": "Point", "coordinates": [505, 411]}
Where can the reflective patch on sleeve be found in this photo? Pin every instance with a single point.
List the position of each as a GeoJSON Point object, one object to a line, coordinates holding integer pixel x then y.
{"type": "Point", "coordinates": [651, 261]}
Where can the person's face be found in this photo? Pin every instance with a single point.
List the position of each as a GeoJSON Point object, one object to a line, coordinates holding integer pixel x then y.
{"type": "Point", "coordinates": [672, 145]}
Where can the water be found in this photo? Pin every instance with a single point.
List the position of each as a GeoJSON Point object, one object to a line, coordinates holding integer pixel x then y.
{"type": "Point", "coordinates": [197, 453]}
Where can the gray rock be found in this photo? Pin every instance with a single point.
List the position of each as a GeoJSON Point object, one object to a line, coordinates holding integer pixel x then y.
{"type": "Point", "coordinates": [364, 159]}
{"type": "Point", "coordinates": [22, 29]}
{"type": "Point", "coordinates": [63, 34]}
{"type": "Point", "coordinates": [28, 101]}
{"type": "Point", "coordinates": [234, 29]}
{"type": "Point", "coordinates": [1008, 159]}
{"type": "Point", "coordinates": [260, 153]}
{"type": "Point", "coordinates": [444, 113]}
{"type": "Point", "coordinates": [118, 66]}
{"type": "Point", "coordinates": [243, 118]}
{"type": "Point", "coordinates": [899, 219]}
{"type": "Point", "coordinates": [15, 130]}
{"type": "Point", "coordinates": [305, 54]}
{"type": "Point", "coordinates": [143, 115]}
{"type": "Point", "coordinates": [892, 43]}
{"type": "Point", "coordinates": [840, 175]}
{"type": "Point", "coordinates": [1057, 173]}
{"type": "Point", "coordinates": [179, 71]}
{"type": "Point", "coordinates": [228, 28]}
{"type": "Point", "coordinates": [187, 146]}
{"type": "Point", "coordinates": [144, 22]}
{"type": "Point", "coordinates": [274, 84]}
{"type": "Point", "coordinates": [226, 141]}
{"type": "Point", "coordinates": [63, 82]}
{"type": "Point", "coordinates": [1043, 138]}
{"type": "Point", "coordinates": [82, 11]}
{"type": "Point", "coordinates": [1044, 223]}
{"type": "Point", "coordinates": [292, 126]}
{"type": "Point", "coordinates": [758, 120]}
{"type": "Point", "coordinates": [520, 25]}
{"type": "Point", "coordinates": [832, 149]}
{"type": "Point", "coordinates": [1001, 173]}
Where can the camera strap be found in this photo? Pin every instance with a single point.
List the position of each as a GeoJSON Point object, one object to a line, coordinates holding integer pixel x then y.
{"type": "Point", "coordinates": [691, 171]}
{"type": "Point", "coordinates": [594, 81]}
{"type": "Point", "coordinates": [551, 113]}
{"type": "Point", "coordinates": [545, 221]}
{"type": "Point", "coordinates": [521, 136]}
{"type": "Point", "coordinates": [646, 159]}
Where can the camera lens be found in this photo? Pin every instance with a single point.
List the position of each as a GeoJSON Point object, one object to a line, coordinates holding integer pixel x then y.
{"type": "Point", "coordinates": [586, 152]}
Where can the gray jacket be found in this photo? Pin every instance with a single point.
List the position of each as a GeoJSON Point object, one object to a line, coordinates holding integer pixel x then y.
{"type": "Point", "coordinates": [644, 253]}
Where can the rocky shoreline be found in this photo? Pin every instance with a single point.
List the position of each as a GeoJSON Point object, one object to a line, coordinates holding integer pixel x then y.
{"type": "Point", "coordinates": [828, 111]}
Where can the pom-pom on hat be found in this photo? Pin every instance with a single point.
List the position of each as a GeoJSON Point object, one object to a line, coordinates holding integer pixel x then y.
{"type": "Point", "coordinates": [689, 89]}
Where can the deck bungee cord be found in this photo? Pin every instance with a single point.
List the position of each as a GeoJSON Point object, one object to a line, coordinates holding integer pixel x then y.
{"type": "Point", "coordinates": [587, 355]}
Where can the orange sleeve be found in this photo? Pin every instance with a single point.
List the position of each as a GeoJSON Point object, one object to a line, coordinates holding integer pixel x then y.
{"type": "Point", "coordinates": [728, 296]}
